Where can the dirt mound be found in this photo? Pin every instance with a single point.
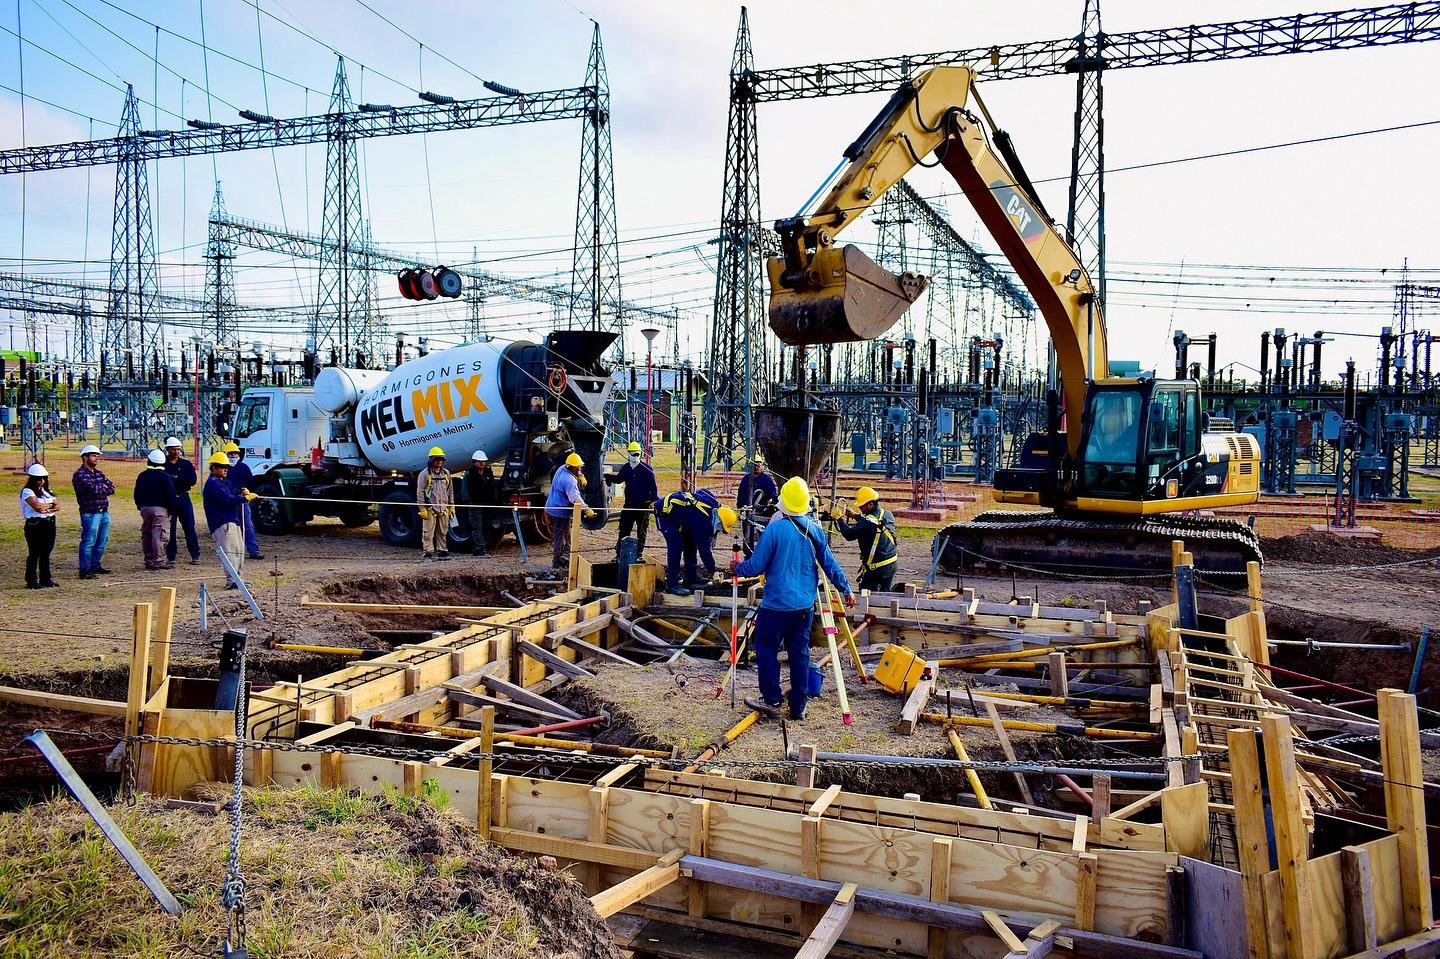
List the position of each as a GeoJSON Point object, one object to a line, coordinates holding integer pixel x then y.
{"type": "Point", "coordinates": [463, 587]}
{"type": "Point", "coordinates": [1326, 549]}
{"type": "Point", "coordinates": [329, 874]}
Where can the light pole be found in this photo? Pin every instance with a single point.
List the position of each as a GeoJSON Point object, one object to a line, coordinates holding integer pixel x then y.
{"type": "Point", "coordinates": [649, 333]}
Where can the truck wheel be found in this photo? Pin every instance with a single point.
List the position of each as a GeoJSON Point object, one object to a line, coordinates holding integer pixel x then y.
{"type": "Point", "coordinates": [356, 517]}
{"type": "Point", "coordinates": [270, 515]}
{"type": "Point", "coordinates": [399, 519]}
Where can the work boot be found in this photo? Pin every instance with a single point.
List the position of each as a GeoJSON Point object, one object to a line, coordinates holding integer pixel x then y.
{"type": "Point", "coordinates": [678, 591]}
{"type": "Point", "coordinates": [428, 558]}
{"type": "Point", "coordinates": [765, 709]}
{"type": "Point", "coordinates": [84, 575]}
{"type": "Point", "coordinates": [444, 557]}
{"type": "Point", "coordinates": [103, 571]}
{"type": "Point", "coordinates": [255, 555]}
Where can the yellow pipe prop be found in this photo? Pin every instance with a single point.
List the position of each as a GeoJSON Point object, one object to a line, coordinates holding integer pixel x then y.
{"type": "Point", "coordinates": [327, 650]}
{"type": "Point", "coordinates": [971, 775]}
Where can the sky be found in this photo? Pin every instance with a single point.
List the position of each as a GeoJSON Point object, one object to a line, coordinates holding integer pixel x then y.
{"type": "Point", "coordinates": [1307, 237]}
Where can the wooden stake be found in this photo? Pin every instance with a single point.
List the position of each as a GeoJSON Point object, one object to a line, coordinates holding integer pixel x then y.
{"type": "Point", "coordinates": [1100, 792]}
{"type": "Point", "coordinates": [638, 886]}
{"type": "Point", "coordinates": [695, 896]}
{"type": "Point", "coordinates": [1059, 681]}
{"type": "Point", "coordinates": [1291, 841]}
{"type": "Point", "coordinates": [805, 775]}
{"type": "Point", "coordinates": [597, 830]}
{"type": "Point", "coordinates": [1250, 836]}
{"type": "Point", "coordinates": [139, 664]}
{"type": "Point", "coordinates": [1085, 882]}
{"type": "Point", "coordinates": [164, 629]}
{"type": "Point", "coordinates": [484, 802]}
{"type": "Point", "coordinates": [1405, 803]}
{"type": "Point", "coordinates": [1355, 880]}
{"type": "Point", "coordinates": [940, 857]}
{"type": "Point", "coordinates": [827, 932]}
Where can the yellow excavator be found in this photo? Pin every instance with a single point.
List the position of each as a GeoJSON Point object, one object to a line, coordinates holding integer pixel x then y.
{"type": "Point", "coordinates": [1120, 455]}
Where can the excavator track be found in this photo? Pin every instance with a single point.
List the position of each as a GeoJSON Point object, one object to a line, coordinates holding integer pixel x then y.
{"type": "Point", "coordinates": [1086, 546]}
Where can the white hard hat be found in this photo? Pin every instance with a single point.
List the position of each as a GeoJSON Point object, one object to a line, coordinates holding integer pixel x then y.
{"type": "Point", "coordinates": [86, 450]}
{"type": "Point", "coordinates": [173, 441]}
{"type": "Point", "coordinates": [479, 455]}
{"type": "Point", "coordinates": [156, 457]}
{"type": "Point", "coordinates": [35, 469]}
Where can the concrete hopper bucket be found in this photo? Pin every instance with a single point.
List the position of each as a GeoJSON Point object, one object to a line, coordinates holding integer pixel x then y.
{"type": "Point", "coordinates": [843, 296]}
{"type": "Point", "coordinates": [797, 440]}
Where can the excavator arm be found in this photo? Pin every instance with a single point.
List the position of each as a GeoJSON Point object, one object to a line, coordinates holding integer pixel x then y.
{"type": "Point", "coordinates": [821, 293]}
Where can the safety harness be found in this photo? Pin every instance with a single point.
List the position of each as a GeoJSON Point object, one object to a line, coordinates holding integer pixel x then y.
{"type": "Point", "coordinates": [686, 498]}
{"type": "Point", "coordinates": [869, 565]}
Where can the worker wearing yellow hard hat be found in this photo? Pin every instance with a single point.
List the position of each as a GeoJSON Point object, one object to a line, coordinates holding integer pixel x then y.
{"type": "Point", "coordinates": [559, 507]}
{"type": "Point", "coordinates": [790, 554]}
{"type": "Point", "coordinates": [225, 513]}
{"type": "Point", "coordinates": [689, 521]}
{"type": "Point", "coordinates": [435, 498]}
{"type": "Point", "coordinates": [243, 478]}
{"type": "Point", "coordinates": [874, 529]}
{"type": "Point", "coordinates": [641, 492]}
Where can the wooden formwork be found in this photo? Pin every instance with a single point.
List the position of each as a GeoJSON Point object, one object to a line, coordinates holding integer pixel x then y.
{"type": "Point", "coordinates": [1181, 871]}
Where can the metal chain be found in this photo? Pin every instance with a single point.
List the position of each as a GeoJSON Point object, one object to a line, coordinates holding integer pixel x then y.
{"type": "Point", "coordinates": [233, 889]}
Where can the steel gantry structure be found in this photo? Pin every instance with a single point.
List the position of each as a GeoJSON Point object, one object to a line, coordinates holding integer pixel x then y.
{"type": "Point", "coordinates": [340, 289]}
{"type": "Point", "coordinates": [739, 333]}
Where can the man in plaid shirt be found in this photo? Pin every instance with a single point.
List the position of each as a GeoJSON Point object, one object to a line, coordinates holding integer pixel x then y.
{"type": "Point", "coordinates": [93, 490]}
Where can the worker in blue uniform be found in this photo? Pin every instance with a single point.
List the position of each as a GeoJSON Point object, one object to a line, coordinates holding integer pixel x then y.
{"type": "Point", "coordinates": [790, 554]}
{"type": "Point", "coordinates": [689, 521]}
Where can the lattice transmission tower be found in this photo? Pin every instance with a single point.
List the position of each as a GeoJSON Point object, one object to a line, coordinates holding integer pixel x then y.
{"type": "Point", "coordinates": [131, 322]}
{"type": "Point", "coordinates": [595, 283]}
{"type": "Point", "coordinates": [1085, 216]}
{"type": "Point", "coordinates": [342, 303]}
{"type": "Point", "coordinates": [220, 279]}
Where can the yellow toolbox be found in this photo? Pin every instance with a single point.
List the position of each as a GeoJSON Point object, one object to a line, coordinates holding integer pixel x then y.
{"type": "Point", "coordinates": [899, 670]}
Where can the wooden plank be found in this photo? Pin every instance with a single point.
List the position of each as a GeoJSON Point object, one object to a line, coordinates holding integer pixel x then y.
{"type": "Point", "coordinates": [1185, 812]}
{"type": "Point", "coordinates": [1100, 796]}
{"type": "Point", "coordinates": [1291, 841]}
{"type": "Point", "coordinates": [164, 633]}
{"type": "Point", "coordinates": [1059, 681]}
{"type": "Point", "coordinates": [997, 925]}
{"type": "Point", "coordinates": [1177, 916]}
{"type": "Point", "coordinates": [74, 704]}
{"type": "Point", "coordinates": [557, 663]}
{"type": "Point", "coordinates": [832, 924]}
{"type": "Point", "coordinates": [592, 651]}
{"type": "Point", "coordinates": [1405, 802]}
{"type": "Point", "coordinates": [1251, 836]}
{"type": "Point", "coordinates": [940, 862]}
{"type": "Point", "coordinates": [139, 666]}
{"type": "Point", "coordinates": [1039, 942]}
{"type": "Point", "coordinates": [525, 696]}
{"type": "Point", "coordinates": [579, 850]}
{"type": "Point", "coordinates": [1423, 945]}
{"type": "Point", "coordinates": [523, 710]}
{"type": "Point", "coordinates": [1009, 751]}
{"type": "Point", "coordinates": [597, 830]}
{"type": "Point", "coordinates": [916, 702]}
{"type": "Point", "coordinates": [1214, 909]}
{"type": "Point", "coordinates": [1361, 931]}
{"type": "Point", "coordinates": [818, 807]}
{"type": "Point", "coordinates": [411, 608]}
{"type": "Point", "coordinates": [638, 886]}
{"type": "Point", "coordinates": [810, 863]}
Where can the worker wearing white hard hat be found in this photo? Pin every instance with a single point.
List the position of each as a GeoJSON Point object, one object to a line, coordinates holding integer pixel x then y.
{"type": "Point", "coordinates": [182, 517]}
{"type": "Point", "coordinates": [37, 508]}
{"type": "Point", "coordinates": [93, 490]}
{"type": "Point", "coordinates": [155, 498]}
{"type": "Point", "coordinates": [480, 490]}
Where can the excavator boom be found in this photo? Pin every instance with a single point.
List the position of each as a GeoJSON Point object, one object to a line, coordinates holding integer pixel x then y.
{"type": "Point", "coordinates": [821, 293]}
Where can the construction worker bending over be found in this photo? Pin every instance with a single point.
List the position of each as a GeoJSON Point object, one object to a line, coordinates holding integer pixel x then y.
{"type": "Point", "coordinates": [874, 528]}
{"type": "Point", "coordinates": [789, 555]}
{"type": "Point", "coordinates": [640, 495]}
{"type": "Point", "coordinates": [224, 513]}
{"type": "Point", "coordinates": [564, 497]}
{"type": "Point", "coordinates": [436, 500]}
{"type": "Point", "coordinates": [689, 522]}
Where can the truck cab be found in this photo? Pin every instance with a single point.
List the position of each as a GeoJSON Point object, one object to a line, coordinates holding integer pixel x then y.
{"type": "Point", "coordinates": [278, 426]}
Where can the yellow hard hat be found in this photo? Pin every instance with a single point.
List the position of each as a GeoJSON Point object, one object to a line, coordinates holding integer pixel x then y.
{"type": "Point", "coordinates": [795, 497]}
{"type": "Point", "coordinates": [230, 447]}
{"type": "Point", "coordinates": [864, 495]}
{"type": "Point", "coordinates": [634, 448]}
{"type": "Point", "coordinates": [218, 459]}
{"type": "Point", "coordinates": [729, 519]}
{"type": "Point", "coordinates": [574, 460]}
{"type": "Point", "coordinates": [436, 451]}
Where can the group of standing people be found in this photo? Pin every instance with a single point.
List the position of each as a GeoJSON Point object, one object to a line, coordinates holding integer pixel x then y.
{"type": "Point", "coordinates": [162, 495]}
{"type": "Point", "coordinates": [435, 498]}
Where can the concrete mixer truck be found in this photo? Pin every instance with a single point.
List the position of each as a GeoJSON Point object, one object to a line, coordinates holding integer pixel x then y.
{"type": "Point", "coordinates": [351, 445]}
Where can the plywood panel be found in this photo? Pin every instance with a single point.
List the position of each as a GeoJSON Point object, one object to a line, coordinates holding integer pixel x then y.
{"type": "Point", "coordinates": [550, 808]}
{"type": "Point", "coordinates": [756, 837]}
{"type": "Point", "coordinates": [646, 820]}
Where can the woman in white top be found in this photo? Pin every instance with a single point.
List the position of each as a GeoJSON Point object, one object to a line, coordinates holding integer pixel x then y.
{"type": "Point", "coordinates": [38, 507]}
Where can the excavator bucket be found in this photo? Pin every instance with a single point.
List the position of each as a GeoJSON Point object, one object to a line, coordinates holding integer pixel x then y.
{"type": "Point", "coordinates": [845, 298]}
